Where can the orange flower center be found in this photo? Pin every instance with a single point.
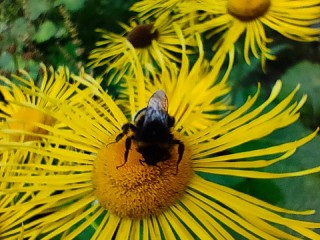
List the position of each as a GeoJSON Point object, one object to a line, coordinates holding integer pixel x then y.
{"type": "Point", "coordinates": [137, 189]}
{"type": "Point", "coordinates": [248, 10]}
{"type": "Point", "coordinates": [142, 35]}
{"type": "Point", "coordinates": [26, 120]}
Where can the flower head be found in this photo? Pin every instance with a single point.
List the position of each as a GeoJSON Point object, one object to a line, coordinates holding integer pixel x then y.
{"type": "Point", "coordinates": [153, 42]}
{"type": "Point", "coordinates": [22, 112]}
{"type": "Point", "coordinates": [293, 19]}
{"type": "Point", "coordinates": [93, 172]}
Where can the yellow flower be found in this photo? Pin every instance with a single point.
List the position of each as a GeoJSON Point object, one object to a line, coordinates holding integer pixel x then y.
{"type": "Point", "coordinates": [154, 42]}
{"type": "Point", "coordinates": [294, 19]}
{"type": "Point", "coordinates": [209, 94]}
{"type": "Point", "coordinates": [147, 8]}
{"type": "Point", "coordinates": [22, 112]}
{"type": "Point", "coordinates": [90, 174]}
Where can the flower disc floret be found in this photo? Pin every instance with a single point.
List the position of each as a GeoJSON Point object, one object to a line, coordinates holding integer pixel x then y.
{"type": "Point", "coordinates": [248, 10]}
{"type": "Point", "coordinates": [142, 35]}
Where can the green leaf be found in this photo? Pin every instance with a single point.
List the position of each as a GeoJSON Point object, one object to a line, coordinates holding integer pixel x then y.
{"type": "Point", "coordinates": [263, 189]}
{"type": "Point", "coordinates": [46, 31]}
{"type": "Point", "coordinates": [7, 62]}
{"type": "Point", "coordinates": [29, 65]}
{"type": "Point", "coordinates": [21, 30]}
{"type": "Point", "coordinates": [306, 74]}
{"type": "Point", "coordinates": [61, 32]}
{"type": "Point", "coordinates": [71, 5]}
{"type": "Point", "coordinates": [3, 27]}
{"type": "Point", "coordinates": [35, 8]}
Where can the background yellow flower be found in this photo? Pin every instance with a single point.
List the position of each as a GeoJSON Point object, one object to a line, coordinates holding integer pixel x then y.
{"type": "Point", "coordinates": [153, 41]}
{"type": "Point", "coordinates": [22, 112]}
{"type": "Point", "coordinates": [295, 19]}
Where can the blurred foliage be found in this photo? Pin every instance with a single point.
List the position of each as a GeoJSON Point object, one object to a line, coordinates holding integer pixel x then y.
{"type": "Point", "coordinates": [56, 32]}
{"type": "Point", "coordinates": [33, 31]}
{"type": "Point", "coordinates": [62, 32]}
{"type": "Point", "coordinates": [27, 30]}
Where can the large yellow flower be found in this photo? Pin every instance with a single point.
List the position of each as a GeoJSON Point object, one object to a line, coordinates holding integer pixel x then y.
{"type": "Point", "coordinates": [294, 19]}
{"type": "Point", "coordinates": [86, 175]}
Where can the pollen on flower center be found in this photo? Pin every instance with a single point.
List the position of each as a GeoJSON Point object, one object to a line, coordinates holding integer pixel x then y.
{"type": "Point", "coordinates": [24, 120]}
{"type": "Point", "coordinates": [142, 35]}
{"type": "Point", "coordinates": [137, 189]}
{"type": "Point", "coordinates": [247, 10]}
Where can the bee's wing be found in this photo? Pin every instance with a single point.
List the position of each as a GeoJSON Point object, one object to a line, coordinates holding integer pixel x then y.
{"type": "Point", "coordinates": [158, 101]}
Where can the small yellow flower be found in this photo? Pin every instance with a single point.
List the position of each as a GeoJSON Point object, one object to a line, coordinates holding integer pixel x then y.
{"type": "Point", "coordinates": [22, 112]}
{"type": "Point", "coordinates": [80, 176]}
{"type": "Point", "coordinates": [153, 42]}
{"type": "Point", "coordinates": [294, 19]}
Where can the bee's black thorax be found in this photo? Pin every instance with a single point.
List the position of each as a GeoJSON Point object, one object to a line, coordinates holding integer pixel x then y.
{"type": "Point", "coordinates": [155, 130]}
{"type": "Point", "coordinates": [154, 141]}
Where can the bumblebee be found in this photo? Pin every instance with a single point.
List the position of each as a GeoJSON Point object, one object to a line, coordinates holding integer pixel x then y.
{"type": "Point", "coordinates": [152, 132]}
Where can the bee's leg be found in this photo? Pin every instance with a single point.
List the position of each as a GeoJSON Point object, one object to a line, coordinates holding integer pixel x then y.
{"type": "Point", "coordinates": [125, 129]}
{"type": "Point", "coordinates": [180, 152]}
{"type": "Point", "coordinates": [119, 137]}
{"type": "Point", "coordinates": [126, 153]}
